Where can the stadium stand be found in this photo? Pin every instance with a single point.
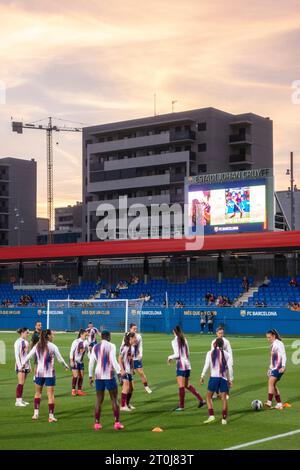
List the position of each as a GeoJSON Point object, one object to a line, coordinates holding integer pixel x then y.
{"type": "Point", "coordinates": [279, 293]}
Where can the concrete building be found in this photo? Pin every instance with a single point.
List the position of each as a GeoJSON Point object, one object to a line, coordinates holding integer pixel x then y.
{"type": "Point", "coordinates": [148, 159]}
{"type": "Point", "coordinates": [283, 210]}
{"type": "Point", "coordinates": [18, 200]}
{"type": "Point", "coordinates": [68, 218]}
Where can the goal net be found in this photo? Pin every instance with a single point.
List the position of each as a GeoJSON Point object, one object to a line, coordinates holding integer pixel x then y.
{"type": "Point", "coordinates": [111, 314]}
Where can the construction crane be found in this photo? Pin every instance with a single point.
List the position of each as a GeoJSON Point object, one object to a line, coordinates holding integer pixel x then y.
{"type": "Point", "coordinates": [49, 128]}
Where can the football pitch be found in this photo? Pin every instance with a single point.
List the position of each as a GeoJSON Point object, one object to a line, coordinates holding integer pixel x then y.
{"type": "Point", "coordinates": [181, 430]}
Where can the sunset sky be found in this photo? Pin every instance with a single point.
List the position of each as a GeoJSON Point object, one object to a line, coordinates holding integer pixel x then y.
{"type": "Point", "coordinates": [101, 61]}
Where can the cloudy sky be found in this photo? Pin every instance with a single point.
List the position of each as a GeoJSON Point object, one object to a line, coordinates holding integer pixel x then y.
{"type": "Point", "coordinates": [100, 61]}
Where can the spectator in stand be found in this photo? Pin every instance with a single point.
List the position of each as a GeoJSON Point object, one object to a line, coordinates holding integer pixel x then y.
{"type": "Point", "coordinates": [122, 285]}
{"type": "Point", "coordinates": [266, 282]}
{"type": "Point", "coordinates": [245, 283]}
{"type": "Point", "coordinates": [203, 321]}
{"type": "Point", "coordinates": [295, 306]}
{"type": "Point", "coordinates": [260, 303]}
{"type": "Point", "coordinates": [209, 298]}
{"type": "Point", "coordinates": [41, 282]}
{"type": "Point", "coordinates": [179, 304]}
{"type": "Point", "coordinates": [134, 280]}
{"type": "Point", "coordinates": [293, 282]}
{"type": "Point", "coordinates": [12, 279]}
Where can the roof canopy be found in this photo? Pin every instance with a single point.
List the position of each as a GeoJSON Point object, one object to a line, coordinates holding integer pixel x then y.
{"type": "Point", "coordinates": [246, 242]}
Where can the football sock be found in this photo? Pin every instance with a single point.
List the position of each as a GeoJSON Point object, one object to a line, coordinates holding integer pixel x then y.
{"type": "Point", "coordinates": [123, 399]}
{"type": "Point", "coordinates": [19, 391]}
{"type": "Point", "coordinates": [181, 397]}
{"type": "Point", "coordinates": [194, 392]}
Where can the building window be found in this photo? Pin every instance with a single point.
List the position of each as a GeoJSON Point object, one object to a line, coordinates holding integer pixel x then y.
{"type": "Point", "coordinates": [202, 147]}
{"type": "Point", "coordinates": [201, 126]}
{"type": "Point", "coordinates": [202, 168]}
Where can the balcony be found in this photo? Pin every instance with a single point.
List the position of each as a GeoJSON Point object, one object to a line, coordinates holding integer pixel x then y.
{"type": "Point", "coordinates": [146, 200]}
{"type": "Point", "coordinates": [128, 183]}
{"type": "Point", "coordinates": [237, 159]}
{"type": "Point", "coordinates": [129, 143]}
{"type": "Point", "coordinates": [150, 160]}
{"type": "Point", "coordinates": [185, 135]}
{"type": "Point", "coordinates": [4, 194]}
{"type": "Point", "coordinates": [243, 138]}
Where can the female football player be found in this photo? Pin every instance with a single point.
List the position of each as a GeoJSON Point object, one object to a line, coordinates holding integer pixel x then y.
{"type": "Point", "coordinates": [276, 369]}
{"type": "Point", "coordinates": [221, 377]}
{"type": "Point", "coordinates": [126, 363]}
{"type": "Point", "coordinates": [45, 352]}
{"type": "Point", "coordinates": [21, 350]}
{"type": "Point", "coordinates": [182, 356]}
{"type": "Point", "coordinates": [79, 347]}
{"type": "Point", "coordinates": [226, 346]}
{"type": "Point", "coordinates": [104, 355]}
{"type": "Point", "coordinates": [138, 356]}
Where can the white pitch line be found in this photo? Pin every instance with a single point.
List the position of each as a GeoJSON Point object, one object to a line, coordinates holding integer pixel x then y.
{"type": "Point", "coordinates": [266, 439]}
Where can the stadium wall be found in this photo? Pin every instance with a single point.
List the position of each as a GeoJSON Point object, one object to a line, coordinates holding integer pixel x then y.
{"type": "Point", "coordinates": [161, 320]}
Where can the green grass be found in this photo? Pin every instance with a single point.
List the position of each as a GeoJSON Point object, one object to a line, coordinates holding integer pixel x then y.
{"type": "Point", "coordinates": [74, 429]}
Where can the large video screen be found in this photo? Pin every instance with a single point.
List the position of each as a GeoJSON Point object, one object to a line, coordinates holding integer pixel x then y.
{"type": "Point", "coordinates": [228, 207]}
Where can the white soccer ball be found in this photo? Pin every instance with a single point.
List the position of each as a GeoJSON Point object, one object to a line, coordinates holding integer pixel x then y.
{"type": "Point", "coordinates": [256, 405]}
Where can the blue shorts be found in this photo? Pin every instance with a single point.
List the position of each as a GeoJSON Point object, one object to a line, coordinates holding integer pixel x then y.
{"type": "Point", "coordinates": [137, 364]}
{"type": "Point", "coordinates": [127, 377]}
{"type": "Point", "coordinates": [275, 373]}
{"type": "Point", "coordinates": [109, 384]}
{"type": "Point", "coordinates": [48, 381]}
{"type": "Point", "coordinates": [78, 366]}
{"type": "Point", "coordinates": [183, 373]}
{"type": "Point", "coordinates": [218, 385]}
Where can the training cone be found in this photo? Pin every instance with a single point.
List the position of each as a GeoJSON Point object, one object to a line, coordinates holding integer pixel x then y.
{"type": "Point", "coordinates": [157, 430]}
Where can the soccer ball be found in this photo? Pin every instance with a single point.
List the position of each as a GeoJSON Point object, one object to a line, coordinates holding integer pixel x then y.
{"type": "Point", "coordinates": [256, 405]}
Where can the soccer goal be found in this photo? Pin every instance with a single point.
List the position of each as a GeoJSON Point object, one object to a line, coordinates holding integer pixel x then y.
{"type": "Point", "coordinates": [111, 314]}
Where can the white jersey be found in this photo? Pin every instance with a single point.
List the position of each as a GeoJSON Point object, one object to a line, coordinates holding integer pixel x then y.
{"type": "Point", "coordinates": [78, 349]}
{"type": "Point", "coordinates": [182, 354]}
{"type": "Point", "coordinates": [218, 368]}
{"type": "Point", "coordinates": [45, 360]}
{"type": "Point", "coordinates": [137, 348]}
{"type": "Point", "coordinates": [104, 356]}
{"type": "Point", "coordinates": [21, 349]}
{"type": "Point", "coordinates": [92, 333]}
{"type": "Point", "coordinates": [127, 356]}
{"type": "Point", "coordinates": [278, 355]}
{"type": "Point", "coordinates": [226, 347]}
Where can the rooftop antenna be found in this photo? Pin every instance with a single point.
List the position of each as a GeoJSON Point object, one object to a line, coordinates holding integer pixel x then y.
{"type": "Point", "coordinates": [173, 103]}
{"type": "Point", "coordinates": [154, 104]}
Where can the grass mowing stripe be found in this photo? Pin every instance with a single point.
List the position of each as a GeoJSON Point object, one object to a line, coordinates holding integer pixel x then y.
{"type": "Point", "coordinates": [266, 439]}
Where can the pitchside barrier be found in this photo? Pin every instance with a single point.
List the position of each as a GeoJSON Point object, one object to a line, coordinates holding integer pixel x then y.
{"type": "Point", "coordinates": [157, 320]}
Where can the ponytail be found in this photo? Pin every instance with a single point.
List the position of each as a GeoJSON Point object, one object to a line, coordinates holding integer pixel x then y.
{"type": "Point", "coordinates": [81, 331]}
{"type": "Point", "coordinates": [127, 338]}
{"type": "Point", "coordinates": [22, 330]}
{"type": "Point", "coordinates": [180, 336]}
{"type": "Point", "coordinates": [274, 333]}
{"type": "Point", "coordinates": [42, 345]}
{"type": "Point", "coordinates": [219, 343]}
